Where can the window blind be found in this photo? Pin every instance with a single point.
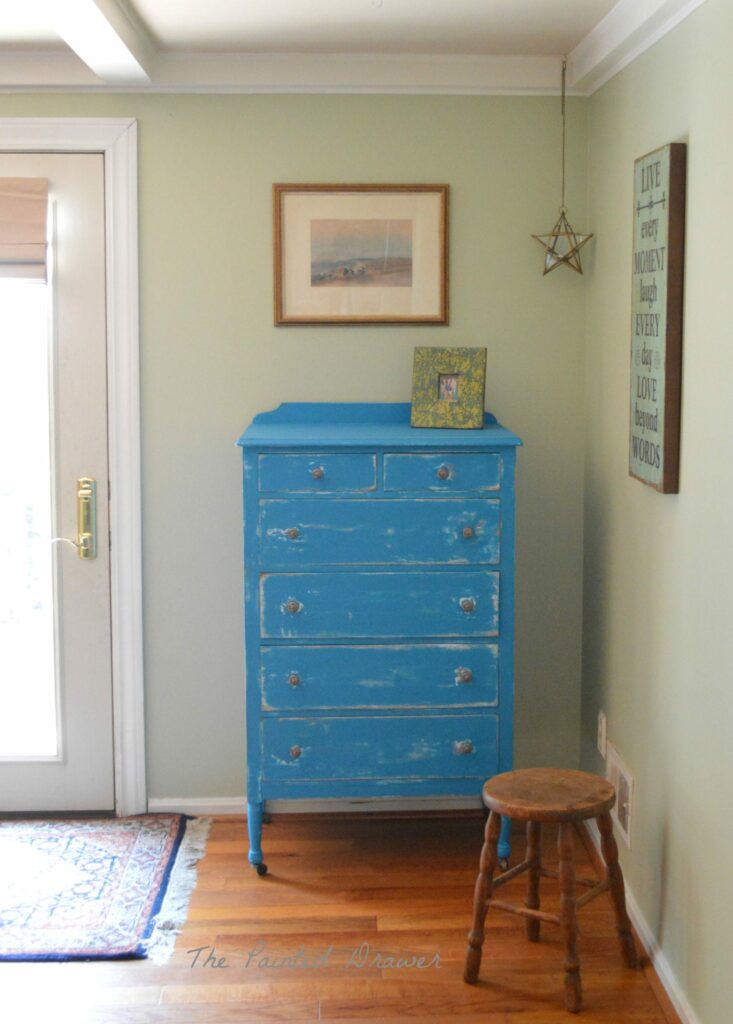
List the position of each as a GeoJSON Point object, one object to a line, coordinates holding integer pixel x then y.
{"type": "Point", "coordinates": [23, 213]}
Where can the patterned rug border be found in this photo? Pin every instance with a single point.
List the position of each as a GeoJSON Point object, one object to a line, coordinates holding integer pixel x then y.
{"type": "Point", "coordinates": [169, 911]}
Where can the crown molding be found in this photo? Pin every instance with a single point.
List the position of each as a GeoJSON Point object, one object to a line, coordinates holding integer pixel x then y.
{"type": "Point", "coordinates": [294, 73]}
{"type": "Point", "coordinates": [627, 31]}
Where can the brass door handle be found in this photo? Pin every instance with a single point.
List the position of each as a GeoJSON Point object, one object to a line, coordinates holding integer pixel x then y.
{"type": "Point", "coordinates": [86, 516]}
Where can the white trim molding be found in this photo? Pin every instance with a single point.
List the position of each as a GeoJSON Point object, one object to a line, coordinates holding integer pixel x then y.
{"type": "Point", "coordinates": [659, 961]}
{"type": "Point", "coordinates": [238, 805]}
{"type": "Point", "coordinates": [629, 28]}
{"type": "Point", "coordinates": [180, 72]}
{"type": "Point", "coordinates": [116, 138]}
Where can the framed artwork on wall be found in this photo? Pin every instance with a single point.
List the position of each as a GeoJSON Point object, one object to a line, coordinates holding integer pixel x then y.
{"type": "Point", "coordinates": [448, 388]}
{"type": "Point", "coordinates": [656, 317]}
{"type": "Point", "coordinates": [360, 254]}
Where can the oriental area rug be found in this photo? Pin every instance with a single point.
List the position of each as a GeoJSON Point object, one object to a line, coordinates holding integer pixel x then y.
{"type": "Point", "coordinates": [97, 889]}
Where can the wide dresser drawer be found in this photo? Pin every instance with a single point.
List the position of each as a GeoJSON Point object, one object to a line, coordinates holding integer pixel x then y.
{"type": "Point", "coordinates": [358, 532]}
{"type": "Point", "coordinates": [379, 604]}
{"type": "Point", "coordinates": [443, 471]}
{"type": "Point", "coordinates": [318, 473]}
{"type": "Point", "coordinates": [400, 746]}
{"type": "Point", "coordinates": [302, 677]}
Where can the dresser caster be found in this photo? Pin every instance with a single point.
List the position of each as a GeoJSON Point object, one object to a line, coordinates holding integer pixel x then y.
{"type": "Point", "coordinates": [261, 868]}
{"type": "Point", "coordinates": [503, 864]}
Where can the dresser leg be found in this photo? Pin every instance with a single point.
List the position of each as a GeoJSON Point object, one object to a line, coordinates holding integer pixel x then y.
{"type": "Point", "coordinates": [505, 847]}
{"type": "Point", "coordinates": [255, 812]}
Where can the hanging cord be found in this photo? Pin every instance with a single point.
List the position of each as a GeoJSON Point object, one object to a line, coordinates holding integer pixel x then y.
{"type": "Point", "coordinates": [562, 108]}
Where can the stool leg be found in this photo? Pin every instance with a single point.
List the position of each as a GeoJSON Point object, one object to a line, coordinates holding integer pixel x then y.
{"type": "Point", "coordinates": [618, 895]}
{"type": "Point", "coordinates": [481, 896]}
{"type": "Point", "coordinates": [534, 834]}
{"type": "Point", "coordinates": [568, 917]}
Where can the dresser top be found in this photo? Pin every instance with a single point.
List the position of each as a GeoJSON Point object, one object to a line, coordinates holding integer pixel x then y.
{"type": "Point", "coordinates": [345, 424]}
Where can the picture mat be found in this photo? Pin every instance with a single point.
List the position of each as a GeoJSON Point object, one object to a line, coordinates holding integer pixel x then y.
{"type": "Point", "coordinates": [301, 299]}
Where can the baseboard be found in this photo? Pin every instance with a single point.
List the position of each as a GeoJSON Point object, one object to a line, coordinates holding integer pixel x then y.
{"type": "Point", "coordinates": [661, 966]}
{"type": "Point", "coordinates": [378, 805]}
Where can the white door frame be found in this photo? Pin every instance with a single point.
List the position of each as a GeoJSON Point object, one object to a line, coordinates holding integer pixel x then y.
{"type": "Point", "coordinates": [116, 138]}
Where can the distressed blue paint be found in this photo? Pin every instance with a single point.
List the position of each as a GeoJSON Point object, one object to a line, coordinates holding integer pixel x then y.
{"type": "Point", "coordinates": [402, 531]}
{"type": "Point", "coordinates": [378, 567]}
{"type": "Point", "coordinates": [418, 746]}
{"type": "Point", "coordinates": [318, 473]}
{"type": "Point", "coordinates": [444, 471]}
{"type": "Point", "coordinates": [394, 676]}
{"type": "Point", "coordinates": [378, 604]}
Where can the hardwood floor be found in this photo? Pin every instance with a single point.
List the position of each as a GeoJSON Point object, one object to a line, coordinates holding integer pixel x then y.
{"type": "Point", "coordinates": [355, 895]}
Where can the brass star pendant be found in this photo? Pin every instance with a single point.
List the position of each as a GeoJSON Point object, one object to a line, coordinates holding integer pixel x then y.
{"type": "Point", "coordinates": [562, 245]}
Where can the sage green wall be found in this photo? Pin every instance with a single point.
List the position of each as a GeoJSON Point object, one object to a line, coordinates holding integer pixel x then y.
{"type": "Point", "coordinates": [211, 359]}
{"type": "Point", "coordinates": [658, 596]}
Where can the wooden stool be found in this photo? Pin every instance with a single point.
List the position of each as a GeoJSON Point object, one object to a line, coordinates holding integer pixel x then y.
{"type": "Point", "coordinates": [538, 795]}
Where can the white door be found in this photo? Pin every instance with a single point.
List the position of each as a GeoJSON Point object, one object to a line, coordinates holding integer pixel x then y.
{"type": "Point", "coordinates": [56, 735]}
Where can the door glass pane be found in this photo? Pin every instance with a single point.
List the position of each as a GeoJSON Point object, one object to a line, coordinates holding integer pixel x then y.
{"type": "Point", "coordinates": [27, 635]}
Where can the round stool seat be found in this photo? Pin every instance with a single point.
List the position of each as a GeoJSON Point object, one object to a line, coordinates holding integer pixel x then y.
{"type": "Point", "coordinates": [548, 794]}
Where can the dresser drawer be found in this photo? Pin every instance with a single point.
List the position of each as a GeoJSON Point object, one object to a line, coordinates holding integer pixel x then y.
{"type": "Point", "coordinates": [379, 604]}
{"type": "Point", "coordinates": [319, 474]}
{"type": "Point", "coordinates": [415, 746]}
{"type": "Point", "coordinates": [359, 532]}
{"type": "Point", "coordinates": [397, 676]}
{"type": "Point", "coordinates": [443, 471]}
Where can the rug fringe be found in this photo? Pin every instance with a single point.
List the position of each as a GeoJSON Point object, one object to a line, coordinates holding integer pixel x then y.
{"type": "Point", "coordinates": [174, 910]}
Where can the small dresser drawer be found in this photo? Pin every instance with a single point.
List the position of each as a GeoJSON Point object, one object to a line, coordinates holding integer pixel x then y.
{"type": "Point", "coordinates": [379, 604]}
{"type": "Point", "coordinates": [400, 746]}
{"type": "Point", "coordinates": [443, 471]}
{"type": "Point", "coordinates": [459, 531]}
{"type": "Point", "coordinates": [396, 676]}
{"type": "Point", "coordinates": [318, 474]}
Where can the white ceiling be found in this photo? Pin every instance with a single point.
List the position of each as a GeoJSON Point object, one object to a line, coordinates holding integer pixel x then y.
{"type": "Point", "coordinates": [459, 46]}
{"type": "Point", "coordinates": [498, 27]}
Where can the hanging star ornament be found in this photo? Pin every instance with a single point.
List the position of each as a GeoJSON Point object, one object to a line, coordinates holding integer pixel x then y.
{"type": "Point", "coordinates": [562, 245]}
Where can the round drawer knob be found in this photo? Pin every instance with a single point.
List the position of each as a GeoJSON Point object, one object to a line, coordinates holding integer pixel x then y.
{"type": "Point", "coordinates": [295, 753]}
{"type": "Point", "coordinates": [463, 747]}
{"type": "Point", "coordinates": [293, 606]}
{"type": "Point", "coordinates": [468, 532]}
{"type": "Point", "coordinates": [292, 533]}
{"type": "Point", "coordinates": [318, 472]}
{"type": "Point", "coordinates": [465, 675]}
{"type": "Point", "coordinates": [443, 473]}
{"type": "Point", "coordinates": [468, 605]}
{"type": "Point", "coordinates": [294, 679]}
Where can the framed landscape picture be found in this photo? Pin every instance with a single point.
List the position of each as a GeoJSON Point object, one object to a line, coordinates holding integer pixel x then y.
{"type": "Point", "coordinates": [360, 254]}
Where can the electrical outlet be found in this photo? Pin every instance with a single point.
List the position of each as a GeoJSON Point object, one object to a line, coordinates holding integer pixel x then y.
{"type": "Point", "coordinates": [602, 732]}
{"type": "Point", "coordinates": [623, 782]}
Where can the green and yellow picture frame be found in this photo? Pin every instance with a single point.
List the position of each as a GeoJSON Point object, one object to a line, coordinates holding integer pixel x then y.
{"type": "Point", "coordinates": [448, 386]}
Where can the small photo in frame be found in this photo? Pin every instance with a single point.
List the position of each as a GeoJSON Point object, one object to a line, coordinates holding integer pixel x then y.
{"type": "Point", "coordinates": [448, 386]}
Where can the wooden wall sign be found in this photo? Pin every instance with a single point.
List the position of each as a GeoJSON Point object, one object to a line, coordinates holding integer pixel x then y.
{"type": "Point", "coordinates": [656, 317]}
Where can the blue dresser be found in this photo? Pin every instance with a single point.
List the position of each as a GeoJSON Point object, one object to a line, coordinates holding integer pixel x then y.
{"type": "Point", "coordinates": [379, 606]}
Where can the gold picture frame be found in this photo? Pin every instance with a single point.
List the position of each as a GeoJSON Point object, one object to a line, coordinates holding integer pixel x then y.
{"type": "Point", "coordinates": [448, 386]}
{"type": "Point", "coordinates": [360, 254]}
